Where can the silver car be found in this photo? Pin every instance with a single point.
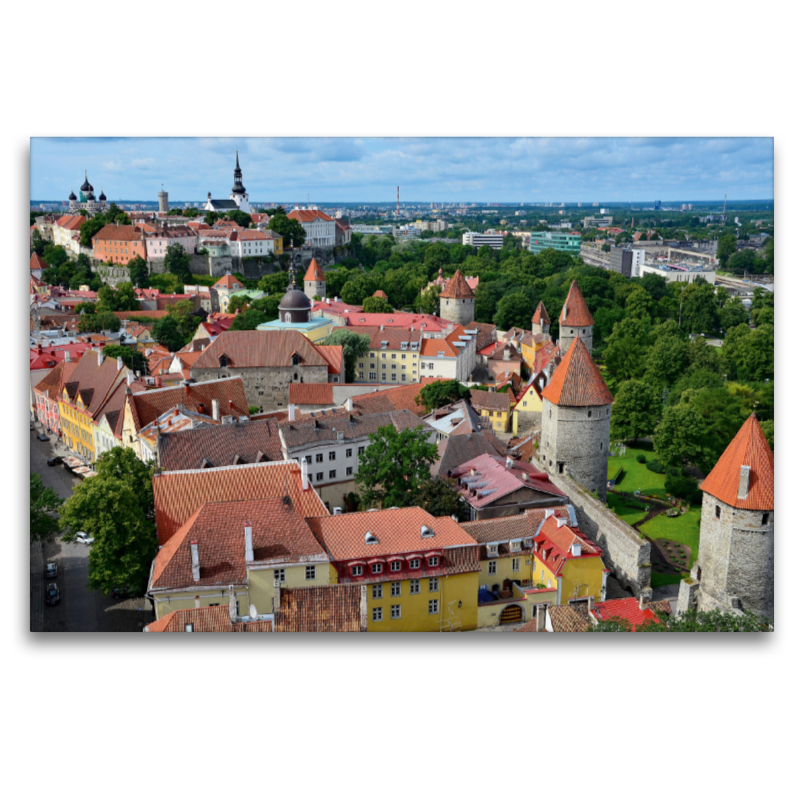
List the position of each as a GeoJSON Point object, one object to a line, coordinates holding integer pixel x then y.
{"type": "Point", "coordinates": [83, 538]}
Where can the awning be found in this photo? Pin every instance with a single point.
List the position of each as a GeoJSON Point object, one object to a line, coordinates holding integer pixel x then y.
{"type": "Point", "coordinates": [81, 470]}
{"type": "Point", "coordinates": [377, 561]}
{"type": "Point", "coordinates": [90, 474]}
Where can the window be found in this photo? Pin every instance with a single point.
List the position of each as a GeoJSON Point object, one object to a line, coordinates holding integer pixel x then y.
{"type": "Point", "coordinates": [395, 588]}
{"type": "Point", "coordinates": [361, 376]}
{"type": "Point", "coordinates": [403, 356]}
{"type": "Point", "coordinates": [433, 606]}
{"type": "Point", "coordinates": [377, 614]}
{"type": "Point", "coordinates": [765, 519]}
{"type": "Point", "coordinates": [515, 565]}
{"type": "Point", "coordinates": [319, 458]}
{"type": "Point", "coordinates": [373, 376]}
{"type": "Point", "coordinates": [320, 476]}
{"type": "Point", "coordinates": [433, 585]}
{"type": "Point", "coordinates": [395, 612]}
{"type": "Point", "coordinates": [395, 566]}
{"type": "Point", "coordinates": [358, 570]}
{"type": "Point", "coordinates": [394, 355]}
{"type": "Point", "coordinates": [493, 568]}
{"type": "Point", "coordinates": [311, 573]}
{"type": "Point", "coordinates": [332, 455]}
{"type": "Point", "coordinates": [413, 587]}
{"type": "Point", "coordinates": [377, 591]}
{"type": "Point", "coordinates": [361, 364]}
{"type": "Point", "coordinates": [377, 569]}
{"type": "Point", "coordinates": [433, 561]}
{"type": "Point", "coordinates": [361, 450]}
{"type": "Point", "coordinates": [349, 452]}
{"type": "Point", "coordinates": [717, 512]}
{"type": "Point", "coordinates": [279, 575]}
{"type": "Point", "coordinates": [332, 474]}
{"type": "Point", "coordinates": [413, 563]}
{"type": "Point", "coordinates": [349, 470]}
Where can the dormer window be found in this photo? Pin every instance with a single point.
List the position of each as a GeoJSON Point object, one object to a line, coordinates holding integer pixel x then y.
{"type": "Point", "coordinates": [491, 550]}
{"type": "Point", "coordinates": [370, 538]}
{"type": "Point", "coordinates": [433, 561]}
{"type": "Point", "coordinates": [414, 563]}
{"type": "Point", "coordinates": [223, 361]}
{"type": "Point", "coordinates": [377, 569]}
{"type": "Point", "coordinates": [527, 542]}
{"type": "Point", "coordinates": [357, 570]}
{"type": "Point", "coordinates": [514, 547]}
{"type": "Point", "coordinates": [295, 360]}
{"type": "Point", "coordinates": [426, 532]}
{"type": "Point", "coordinates": [395, 566]}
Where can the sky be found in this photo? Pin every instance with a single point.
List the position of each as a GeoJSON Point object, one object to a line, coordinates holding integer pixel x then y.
{"type": "Point", "coordinates": [330, 170]}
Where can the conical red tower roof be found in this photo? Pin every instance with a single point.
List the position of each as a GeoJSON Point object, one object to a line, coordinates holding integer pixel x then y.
{"type": "Point", "coordinates": [575, 311]}
{"type": "Point", "coordinates": [540, 315]}
{"type": "Point", "coordinates": [577, 381]}
{"type": "Point", "coordinates": [314, 272]}
{"type": "Point", "coordinates": [749, 448]}
{"type": "Point", "coordinates": [457, 288]}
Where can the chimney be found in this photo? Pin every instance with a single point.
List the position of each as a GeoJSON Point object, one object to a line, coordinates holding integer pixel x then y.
{"type": "Point", "coordinates": [382, 327]}
{"type": "Point", "coordinates": [120, 363]}
{"type": "Point", "coordinates": [541, 616]}
{"type": "Point", "coordinates": [276, 601]}
{"type": "Point", "coordinates": [195, 561]}
{"type": "Point", "coordinates": [197, 601]}
{"type": "Point", "coordinates": [304, 473]}
{"type": "Point", "coordinates": [291, 412]}
{"type": "Point", "coordinates": [129, 378]}
{"type": "Point", "coordinates": [234, 617]}
{"type": "Point", "coordinates": [337, 512]}
{"type": "Point", "coordinates": [348, 404]}
{"type": "Point", "coordinates": [99, 358]}
{"type": "Point", "coordinates": [509, 462]}
{"type": "Point", "coordinates": [248, 542]}
{"type": "Point", "coordinates": [39, 349]}
{"type": "Point", "coordinates": [215, 409]}
{"type": "Point", "coordinates": [186, 387]}
{"type": "Point", "coordinates": [473, 471]}
{"type": "Point", "coordinates": [67, 356]}
{"type": "Point", "coordinates": [591, 603]}
{"type": "Point", "coordinates": [644, 599]}
{"type": "Point", "coordinates": [575, 549]}
{"type": "Point", "coordinates": [744, 483]}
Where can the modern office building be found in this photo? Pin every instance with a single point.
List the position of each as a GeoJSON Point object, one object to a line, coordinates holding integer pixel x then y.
{"type": "Point", "coordinates": [547, 240]}
{"type": "Point", "coordinates": [493, 238]}
{"type": "Point", "coordinates": [627, 262]}
{"type": "Point", "coordinates": [597, 222]}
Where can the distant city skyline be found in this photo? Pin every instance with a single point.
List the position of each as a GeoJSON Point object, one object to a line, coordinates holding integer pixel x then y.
{"type": "Point", "coordinates": [368, 170]}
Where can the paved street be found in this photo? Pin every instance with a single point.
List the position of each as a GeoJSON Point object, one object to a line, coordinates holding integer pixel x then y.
{"type": "Point", "coordinates": [80, 609]}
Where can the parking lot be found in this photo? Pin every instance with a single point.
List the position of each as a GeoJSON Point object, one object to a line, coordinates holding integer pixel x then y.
{"type": "Point", "coordinates": [80, 609]}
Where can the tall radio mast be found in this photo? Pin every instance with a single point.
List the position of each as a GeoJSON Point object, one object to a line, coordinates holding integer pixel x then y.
{"type": "Point", "coordinates": [398, 201]}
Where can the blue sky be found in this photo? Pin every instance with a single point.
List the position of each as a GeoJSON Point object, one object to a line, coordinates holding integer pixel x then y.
{"type": "Point", "coordinates": [426, 169]}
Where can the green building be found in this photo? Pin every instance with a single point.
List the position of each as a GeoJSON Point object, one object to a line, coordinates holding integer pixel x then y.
{"type": "Point", "coordinates": [566, 242]}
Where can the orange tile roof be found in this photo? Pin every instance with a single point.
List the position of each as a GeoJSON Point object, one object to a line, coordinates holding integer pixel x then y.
{"type": "Point", "coordinates": [178, 495]}
{"type": "Point", "coordinates": [394, 399]}
{"type": "Point", "coordinates": [321, 609]}
{"type": "Point", "coordinates": [334, 355]}
{"type": "Point", "coordinates": [37, 262]}
{"type": "Point", "coordinates": [127, 233]}
{"type": "Point", "coordinates": [308, 215]}
{"type": "Point", "coordinates": [306, 394]}
{"type": "Point", "coordinates": [627, 608]}
{"type": "Point", "coordinates": [540, 315]}
{"type": "Point", "coordinates": [260, 349]}
{"type": "Point", "coordinates": [575, 310]}
{"type": "Point", "coordinates": [457, 288]}
{"type": "Point", "coordinates": [381, 293]}
{"type": "Point", "coordinates": [398, 530]}
{"type": "Point", "coordinates": [71, 223]}
{"type": "Point", "coordinates": [210, 619]}
{"type": "Point", "coordinates": [228, 282]}
{"type": "Point", "coordinates": [749, 448]}
{"type": "Point", "coordinates": [432, 347]}
{"type": "Point", "coordinates": [314, 272]}
{"type": "Point", "coordinates": [576, 380]}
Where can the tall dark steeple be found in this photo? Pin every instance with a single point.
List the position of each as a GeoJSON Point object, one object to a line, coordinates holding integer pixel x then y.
{"type": "Point", "coordinates": [238, 187]}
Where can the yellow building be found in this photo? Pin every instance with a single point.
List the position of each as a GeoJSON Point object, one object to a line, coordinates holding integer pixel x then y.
{"type": "Point", "coordinates": [528, 408]}
{"type": "Point", "coordinates": [565, 560]}
{"type": "Point", "coordinates": [315, 329]}
{"type": "Point", "coordinates": [421, 571]}
{"type": "Point", "coordinates": [249, 544]}
{"type": "Point", "coordinates": [494, 406]}
{"type": "Point", "coordinates": [95, 377]}
{"type": "Point", "coordinates": [393, 355]}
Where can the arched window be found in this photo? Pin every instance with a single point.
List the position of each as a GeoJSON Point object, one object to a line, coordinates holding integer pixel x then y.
{"type": "Point", "coordinates": [295, 361]}
{"type": "Point", "coordinates": [295, 376]}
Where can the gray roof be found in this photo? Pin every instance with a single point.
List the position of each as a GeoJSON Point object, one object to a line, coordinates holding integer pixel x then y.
{"type": "Point", "coordinates": [457, 450]}
{"type": "Point", "coordinates": [223, 204]}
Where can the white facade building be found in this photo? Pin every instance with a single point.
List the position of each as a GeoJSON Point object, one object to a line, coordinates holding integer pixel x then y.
{"type": "Point", "coordinates": [251, 243]}
{"type": "Point", "coordinates": [156, 244]}
{"type": "Point", "coordinates": [492, 238]}
{"type": "Point", "coordinates": [319, 227]}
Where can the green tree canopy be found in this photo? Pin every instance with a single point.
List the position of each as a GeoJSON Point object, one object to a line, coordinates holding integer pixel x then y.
{"type": "Point", "coordinates": [440, 499]}
{"type": "Point", "coordinates": [726, 247]}
{"type": "Point", "coordinates": [167, 333]}
{"type": "Point", "coordinates": [354, 346]}
{"type": "Point", "coordinates": [441, 393]}
{"type": "Point", "coordinates": [139, 272]}
{"type": "Point", "coordinates": [248, 320]}
{"type": "Point", "coordinates": [514, 310]}
{"type": "Point", "coordinates": [636, 411]}
{"type": "Point", "coordinates": [626, 349]}
{"type": "Point", "coordinates": [683, 437]}
{"type": "Point", "coordinates": [176, 261]}
{"type": "Point", "coordinates": [377, 305]}
{"type": "Point", "coordinates": [290, 229]}
{"type": "Point", "coordinates": [240, 218]}
{"type": "Point", "coordinates": [132, 359]}
{"type": "Point", "coordinates": [394, 465]}
{"type": "Point", "coordinates": [45, 506]}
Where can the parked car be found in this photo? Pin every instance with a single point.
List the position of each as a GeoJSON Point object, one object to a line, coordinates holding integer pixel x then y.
{"type": "Point", "coordinates": [83, 538]}
{"type": "Point", "coordinates": [51, 570]}
{"type": "Point", "coordinates": [51, 596]}
{"type": "Point", "coordinates": [42, 438]}
{"type": "Point", "coordinates": [122, 594]}
{"type": "Point", "coordinates": [54, 461]}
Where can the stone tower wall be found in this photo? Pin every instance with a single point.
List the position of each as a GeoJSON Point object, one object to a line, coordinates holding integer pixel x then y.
{"type": "Point", "coordinates": [578, 441]}
{"type": "Point", "coordinates": [456, 310]}
{"type": "Point", "coordinates": [736, 558]}
{"type": "Point", "coordinates": [567, 334]}
{"type": "Point", "coordinates": [314, 287]}
{"type": "Point", "coordinates": [163, 202]}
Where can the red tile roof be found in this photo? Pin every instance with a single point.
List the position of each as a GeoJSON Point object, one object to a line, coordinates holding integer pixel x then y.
{"type": "Point", "coordinates": [457, 288]}
{"type": "Point", "coordinates": [260, 349]}
{"type": "Point", "coordinates": [627, 608]}
{"type": "Point", "coordinates": [381, 293]}
{"type": "Point", "coordinates": [553, 544]}
{"type": "Point", "coordinates": [314, 272]}
{"type": "Point", "coordinates": [37, 262]}
{"type": "Point", "coordinates": [92, 382]}
{"type": "Point", "coordinates": [55, 379]}
{"type": "Point", "coordinates": [398, 530]}
{"type": "Point", "coordinates": [322, 609]}
{"type": "Point", "coordinates": [577, 381]}
{"type": "Point", "coordinates": [394, 399]}
{"type": "Point", "coordinates": [280, 536]}
{"type": "Point", "coordinates": [306, 394]}
{"type": "Point", "coordinates": [308, 215]}
{"type": "Point", "coordinates": [178, 495]}
{"type": "Point", "coordinates": [70, 222]}
{"type": "Point", "coordinates": [333, 354]}
{"type": "Point", "coordinates": [45, 357]}
{"type": "Point", "coordinates": [540, 315]}
{"type": "Point", "coordinates": [432, 347]}
{"type": "Point", "coordinates": [210, 619]}
{"type": "Point", "coordinates": [391, 319]}
{"type": "Point", "coordinates": [228, 282]}
{"type": "Point", "coordinates": [749, 448]}
{"type": "Point", "coordinates": [125, 233]}
{"type": "Point", "coordinates": [149, 406]}
{"type": "Point", "coordinates": [575, 311]}
{"type": "Point", "coordinates": [490, 401]}
{"type": "Point", "coordinates": [137, 314]}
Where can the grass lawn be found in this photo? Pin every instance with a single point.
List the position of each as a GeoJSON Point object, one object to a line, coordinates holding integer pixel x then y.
{"type": "Point", "coordinates": [684, 529]}
{"type": "Point", "coordinates": [629, 513]}
{"type": "Point", "coordinates": [637, 476]}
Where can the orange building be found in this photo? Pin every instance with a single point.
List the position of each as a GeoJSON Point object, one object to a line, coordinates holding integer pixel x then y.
{"type": "Point", "coordinates": [118, 244]}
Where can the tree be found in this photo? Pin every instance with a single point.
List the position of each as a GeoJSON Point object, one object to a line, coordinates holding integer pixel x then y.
{"type": "Point", "coordinates": [428, 302]}
{"type": "Point", "coordinates": [290, 229]}
{"type": "Point", "coordinates": [626, 348]}
{"type": "Point", "coordinates": [700, 307]}
{"type": "Point", "coordinates": [90, 228]}
{"type": "Point", "coordinates": [354, 346]}
{"type": "Point", "coordinates": [139, 272]}
{"type": "Point", "coordinates": [440, 499]}
{"type": "Point", "coordinates": [167, 333]}
{"type": "Point", "coordinates": [122, 464]}
{"type": "Point", "coordinates": [726, 247]}
{"type": "Point", "coordinates": [639, 303]}
{"type": "Point", "coordinates": [45, 506]}
{"type": "Point", "coordinates": [125, 298]}
{"type": "Point", "coordinates": [691, 621]}
{"type": "Point", "coordinates": [110, 509]}
{"type": "Point", "coordinates": [683, 437]}
{"type": "Point", "coordinates": [749, 355]}
{"type": "Point", "coordinates": [394, 465]}
{"type": "Point", "coordinates": [101, 321]}
{"type": "Point", "coordinates": [267, 305]}
{"type": "Point", "coordinates": [176, 261]}
{"type": "Point", "coordinates": [211, 217]}
{"type": "Point", "coordinates": [733, 313]}
{"type": "Point", "coordinates": [240, 218]}
{"type": "Point", "coordinates": [636, 411]}
{"type": "Point", "coordinates": [437, 255]}
{"type": "Point", "coordinates": [441, 393]}
{"type": "Point", "coordinates": [132, 359]}
{"type": "Point", "coordinates": [666, 361]}
{"type": "Point", "coordinates": [656, 286]}
{"type": "Point", "coordinates": [248, 320]}
{"type": "Point", "coordinates": [275, 283]}
{"type": "Point", "coordinates": [514, 310]}
{"type": "Point", "coordinates": [377, 305]}
{"type": "Point", "coordinates": [38, 243]}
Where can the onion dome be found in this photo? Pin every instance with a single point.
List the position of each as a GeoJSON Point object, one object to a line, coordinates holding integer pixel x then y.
{"type": "Point", "coordinates": [72, 194]}
{"type": "Point", "coordinates": [86, 186]}
{"type": "Point", "coordinates": [102, 197]}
